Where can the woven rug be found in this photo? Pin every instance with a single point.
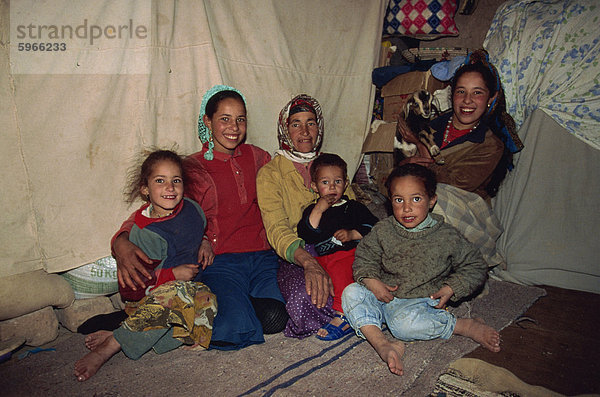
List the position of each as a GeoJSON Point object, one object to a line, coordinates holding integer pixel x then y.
{"type": "Point", "coordinates": [280, 367]}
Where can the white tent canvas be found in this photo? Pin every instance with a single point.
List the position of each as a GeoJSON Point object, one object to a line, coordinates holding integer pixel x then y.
{"type": "Point", "coordinates": [549, 209]}
{"type": "Point", "coordinates": [72, 125]}
{"type": "Point", "coordinates": [70, 131]}
{"type": "Point", "coordinates": [547, 53]}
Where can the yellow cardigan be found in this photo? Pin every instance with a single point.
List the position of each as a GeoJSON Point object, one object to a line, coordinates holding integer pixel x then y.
{"type": "Point", "coordinates": [282, 197]}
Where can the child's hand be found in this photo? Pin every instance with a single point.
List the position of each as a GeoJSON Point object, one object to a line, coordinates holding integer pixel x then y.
{"type": "Point", "coordinates": [185, 272]}
{"type": "Point", "coordinates": [381, 290]}
{"type": "Point", "coordinates": [323, 203]}
{"type": "Point", "coordinates": [345, 235]}
{"type": "Point", "coordinates": [444, 294]}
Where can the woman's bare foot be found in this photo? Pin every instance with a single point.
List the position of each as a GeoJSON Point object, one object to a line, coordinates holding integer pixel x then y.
{"type": "Point", "coordinates": [479, 331]}
{"type": "Point", "coordinates": [92, 341]}
{"type": "Point", "coordinates": [87, 366]}
{"type": "Point", "coordinates": [391, 352]}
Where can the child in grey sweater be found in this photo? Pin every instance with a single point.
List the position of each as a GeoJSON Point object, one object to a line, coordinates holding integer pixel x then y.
{"type": "Point", "coordinates": [406, 270]}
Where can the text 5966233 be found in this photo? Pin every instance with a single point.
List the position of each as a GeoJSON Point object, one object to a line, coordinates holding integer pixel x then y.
{"type": "Point", "coordinates": [47, 47]}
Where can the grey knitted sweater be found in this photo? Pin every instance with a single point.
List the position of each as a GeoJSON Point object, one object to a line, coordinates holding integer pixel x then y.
{"type": "Point", "coordinates": [420, 263]}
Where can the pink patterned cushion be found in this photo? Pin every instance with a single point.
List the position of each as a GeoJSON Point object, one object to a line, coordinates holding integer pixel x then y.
{"type": "Point", "coordinates": [421, 19]}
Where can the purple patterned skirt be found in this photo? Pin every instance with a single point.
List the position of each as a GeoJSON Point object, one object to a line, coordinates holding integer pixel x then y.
{"type": "Point", "coordinates": [305, 318]}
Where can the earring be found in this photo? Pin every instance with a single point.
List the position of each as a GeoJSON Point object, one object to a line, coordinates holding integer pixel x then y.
{"type": "Point", "coordinates": [488, 105]}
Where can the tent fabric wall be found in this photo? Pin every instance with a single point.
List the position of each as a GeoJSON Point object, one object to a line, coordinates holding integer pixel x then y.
{"type": "Point", "coordinates": [546, 52]}
{"type": "Point", "coordinates": [550, 210]}
{"type": "Point", "coordinates": [325, 49]}
{"type": "Point", "coordinates": [68, 139]}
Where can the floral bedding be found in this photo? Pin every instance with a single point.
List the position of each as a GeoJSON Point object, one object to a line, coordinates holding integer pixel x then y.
{"type": "Point", "coordinates": [547, 54]}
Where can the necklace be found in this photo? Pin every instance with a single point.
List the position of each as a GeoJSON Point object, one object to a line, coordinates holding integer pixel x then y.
{"type": "Point", "coordinates": [449, 125]}
{"type": "Point", "coordinates": [154, 214]}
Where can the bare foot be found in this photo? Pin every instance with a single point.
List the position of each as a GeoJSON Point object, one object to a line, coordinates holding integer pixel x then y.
{"type": "Point", "coordinates": [336, 322]}
{"type": "Point", "coordinates": [92, 341]}
{"type": "Point", "coordinates": [194, 347]}
{"type": "Point", "coordinates": [479, 331]}
{"type": "Point", "coordinates": [391, 352]}
{"type": "Point", "coordinates": [87, 366]}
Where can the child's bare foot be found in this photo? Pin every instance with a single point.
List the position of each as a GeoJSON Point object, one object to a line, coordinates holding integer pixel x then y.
{"type": "Point", "coordinates": [479, 331]}
{"type": "Point", "coordinates": [87, 366]}
{"type": "Point", "coordinates": [391, 352]}
{"type": "Point", "coordinates": [92, 341]}
{"type": "Point", "coordinates": [194, 347]}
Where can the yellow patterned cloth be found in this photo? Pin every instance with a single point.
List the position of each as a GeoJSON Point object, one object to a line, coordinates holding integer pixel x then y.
{"type": "Point", "coordinates": [186, 306]}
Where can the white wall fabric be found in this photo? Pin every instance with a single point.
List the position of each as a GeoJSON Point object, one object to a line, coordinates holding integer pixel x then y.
{"type": "Point", "coordinates": [546, 52]}
{"type": "Point", "coordinates": [279, 49]}
{"type": "Point", "coordinates": [550, 210]}
{"type": "Point", "coordinates": [68, 139]}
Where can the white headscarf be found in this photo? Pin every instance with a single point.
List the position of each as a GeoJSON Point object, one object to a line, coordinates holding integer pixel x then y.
{"type": "Point", "coordinates": [286, 146]}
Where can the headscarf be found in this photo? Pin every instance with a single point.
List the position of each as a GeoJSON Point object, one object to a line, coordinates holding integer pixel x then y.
{"type": "Point", "coordinates": [300, 103]}
{"type": "Point", "coordinates": [500, 122]}
{"type": "Point", "coordinates": [204, 133]}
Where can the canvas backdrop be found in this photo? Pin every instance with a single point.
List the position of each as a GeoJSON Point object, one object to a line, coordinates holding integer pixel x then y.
{"type": "Point", "coordinates": [547, 53]}
{"type": "Point", "coordinates": [72, 127]}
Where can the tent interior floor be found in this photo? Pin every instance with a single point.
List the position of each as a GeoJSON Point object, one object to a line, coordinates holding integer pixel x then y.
{"type": "Point", "coordinates": [555, 344]}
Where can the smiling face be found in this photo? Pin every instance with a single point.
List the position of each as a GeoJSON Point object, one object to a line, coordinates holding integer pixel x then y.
{"type": "Point", "coordinates": [164, 188]}
{"type": "Point", "coordinates": [228, 125]}
{"type": "Point", "coordinates": [410, 201]}
{"type": "Point", "coordinates": [470, 100]}
{"type": "Point", "coordinates": [330, 181]}
{"type": "Point", "coordinates": [303, 131]}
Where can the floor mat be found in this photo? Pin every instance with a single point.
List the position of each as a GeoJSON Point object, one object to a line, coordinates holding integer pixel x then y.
{"type": "Point", "coordinates": [280, 367]}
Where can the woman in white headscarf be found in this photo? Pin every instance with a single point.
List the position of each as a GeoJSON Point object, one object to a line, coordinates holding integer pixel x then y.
{"type": "Point", "coordinates": [283, 190]}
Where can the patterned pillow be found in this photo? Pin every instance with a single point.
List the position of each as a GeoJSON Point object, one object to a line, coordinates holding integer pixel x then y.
{"type": "Point", "coordinates": [421, 19]}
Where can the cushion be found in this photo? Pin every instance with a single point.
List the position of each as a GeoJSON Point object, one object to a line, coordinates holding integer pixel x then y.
{"type": "Point", "coordinates": [28, 292]}
{"type": "Point", "coordinates": [421, 19]}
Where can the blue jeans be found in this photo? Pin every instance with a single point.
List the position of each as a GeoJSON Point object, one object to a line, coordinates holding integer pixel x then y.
{"type": "Point", "coordinates": [408, 319]}
{"type": "Point", "coordinates": [234, 278]}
